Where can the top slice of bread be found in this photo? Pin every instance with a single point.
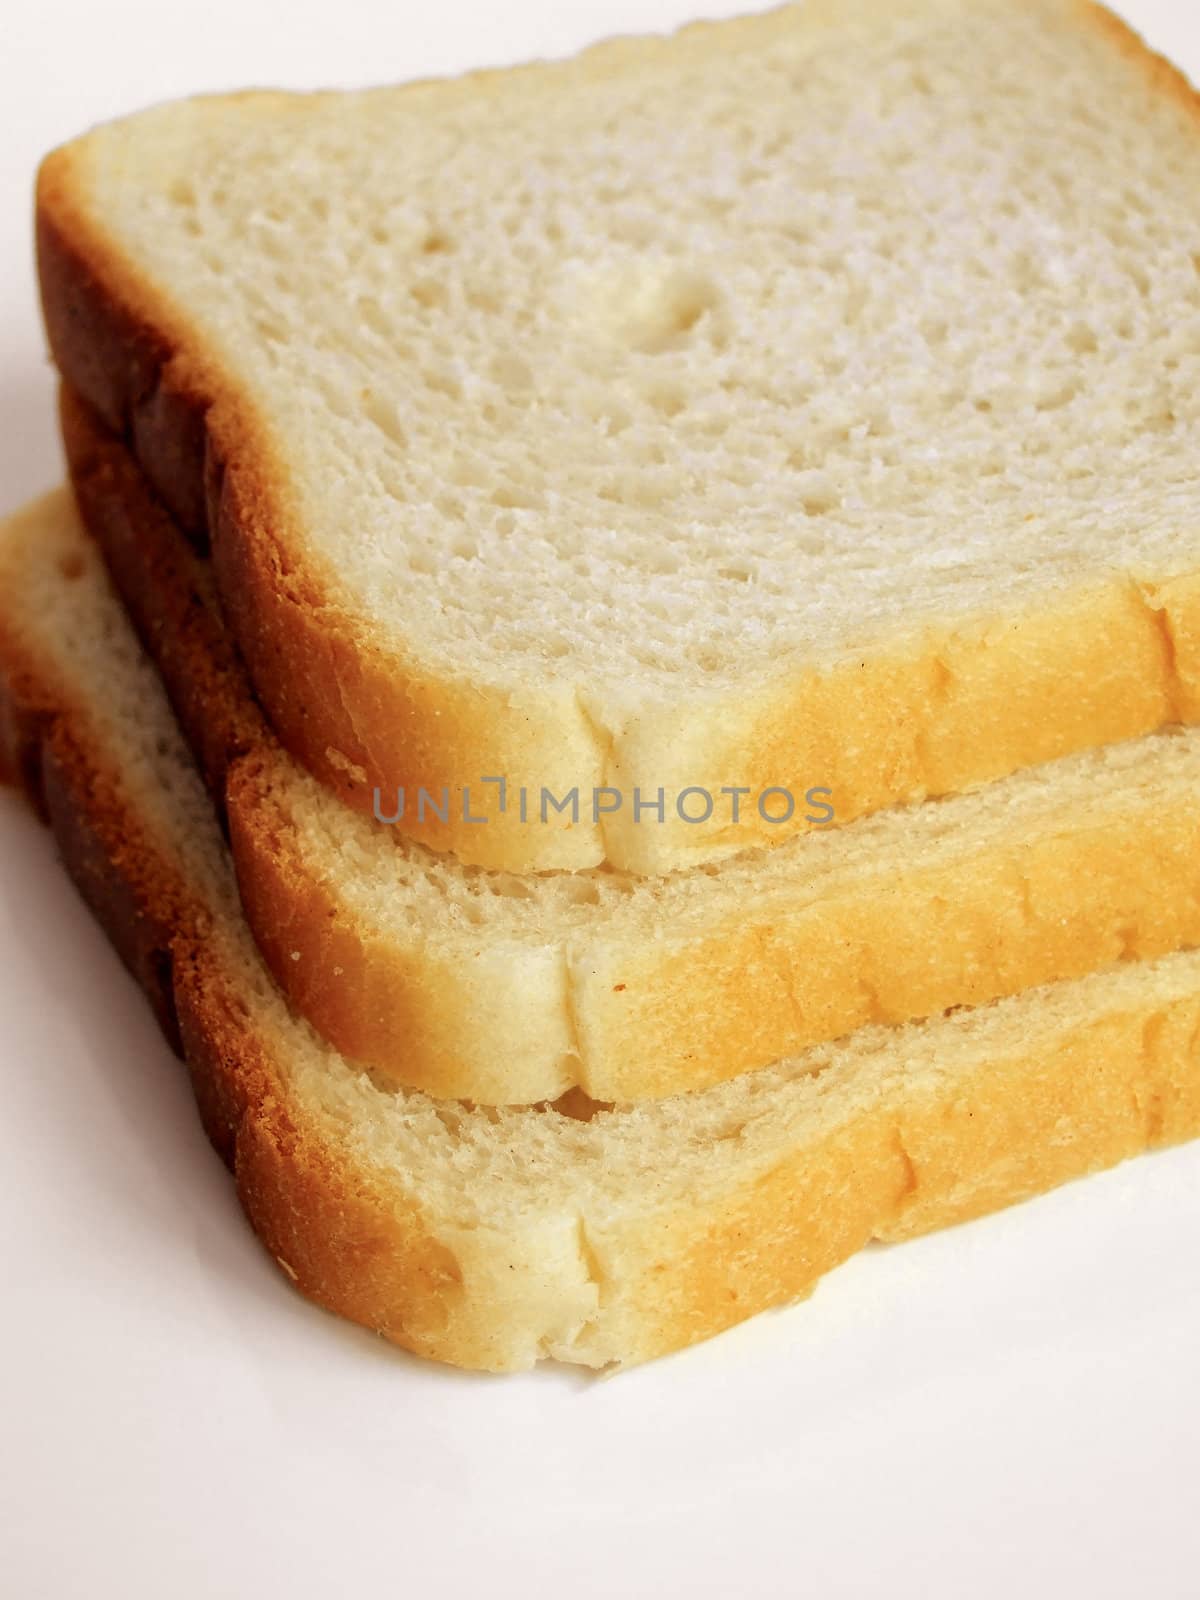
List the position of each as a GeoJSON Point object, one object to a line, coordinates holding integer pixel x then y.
{"type": "Point", "coordinates": [804, 401]}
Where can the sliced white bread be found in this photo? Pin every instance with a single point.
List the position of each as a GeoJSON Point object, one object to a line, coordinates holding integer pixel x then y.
{"type": "Point", "coordinates": [501, 989]}
{"type": "Point", "coordinates": [803, 401]}
{"type": "Point", "coordinates": [494, 1238]}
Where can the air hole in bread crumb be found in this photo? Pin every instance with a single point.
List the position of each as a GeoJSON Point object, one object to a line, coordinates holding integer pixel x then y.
{"type": "Point", "coordinates": [816, 494]}
{"type": "Point", "coordinates": [506, 886]}
{"type": "Point", "coordinates": [481, 298]}
{"type": "Point", "coordinates": [429, 293]}
{"type": "Point", "coordinates": [442, 382]}
{"type": "Point", "coordinates": [383, 414]}
{"type": "Point", "coordinates": [707, 659]}
{"type": "Point", "coordinates": [580, 891]}
{"type": "Point", "coordinates": [656, 309]}
{"type": "Point", "coordinates": [72, 566]}
{"type": "Point", "coordinates": [372, 315]}
{"type": "Point", "coordinates": [272, 331]}
{"type": "Point", "coordinates": [467, 473]}
{"type": "Point", "coordinates": [514, 496]}
{"type": "Point", "coordinates": [1081, 340]}
{"type": "Point", "coordinates": [578, 1105]}
{"type": "Point", "coordinates": [669, 399]}
{"type": "Point", "coordinates": [1054, 399]}
{"type": "Point", "coordinates": [511, 373]}
{"type": "Point", "coordinates": [637, 228]}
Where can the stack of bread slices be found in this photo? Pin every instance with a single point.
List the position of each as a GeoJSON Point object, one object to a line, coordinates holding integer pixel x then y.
{"type": "Point", "coordinates": [622, 654]}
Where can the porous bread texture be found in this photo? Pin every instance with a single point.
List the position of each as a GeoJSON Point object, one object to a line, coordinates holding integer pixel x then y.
{"type": "Point", "coordinates": [804, 400]}
{"type": "Point", "coordinates": [492, 1239]}
{"type": "Point", "coordinates": [505, 989]}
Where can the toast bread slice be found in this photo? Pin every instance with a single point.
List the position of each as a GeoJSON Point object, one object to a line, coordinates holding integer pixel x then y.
{"type": "Point", "coordinates": [800, 402]}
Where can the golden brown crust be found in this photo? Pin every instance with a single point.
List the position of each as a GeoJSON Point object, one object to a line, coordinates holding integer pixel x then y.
{"type": "Point", "coordinates": [931, 715]}
{"type": "Point", "coordinates": [1027, 912]}
{"type": "Point", "coordinates": [352, 1243]}
{"type": "Point", "coordinates": [643, 1277]}
{"type": "Point", "coordinates": [168, 599]}
{"type": "Point", "coordinates": [911, 1162]}
{"type": "Point", "coordinates": [1164, 74]}
{"type": "Point", "coordinates": [106, 851]}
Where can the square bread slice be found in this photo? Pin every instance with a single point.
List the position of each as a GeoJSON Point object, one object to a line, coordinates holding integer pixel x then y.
{"type": "Point", "coordinates": [806, 402]}
{"type": "Point", "coordinates": [496, 988]}
{"type": "Point", "coordinates": [494, 1238]}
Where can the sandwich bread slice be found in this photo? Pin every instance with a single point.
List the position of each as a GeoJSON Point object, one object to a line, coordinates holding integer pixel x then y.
{"type": "Point", "coordinates": [802, 403]}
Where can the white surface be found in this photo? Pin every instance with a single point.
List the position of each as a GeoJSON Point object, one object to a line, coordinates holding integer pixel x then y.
{"type": "Point", "coordinates": [1013, 1407]}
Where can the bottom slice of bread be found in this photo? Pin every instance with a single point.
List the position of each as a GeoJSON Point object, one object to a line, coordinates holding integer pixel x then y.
{"type": "Point", "coordinates": [492, 1238]}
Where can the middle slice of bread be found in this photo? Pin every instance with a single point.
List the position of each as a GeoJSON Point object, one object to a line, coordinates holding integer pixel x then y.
{"type": "Point", "coordinates": [502, 989]}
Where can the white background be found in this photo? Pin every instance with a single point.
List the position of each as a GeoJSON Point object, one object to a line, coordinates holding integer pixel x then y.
{"type": "Point", "coordinates": [1010, 1408]}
